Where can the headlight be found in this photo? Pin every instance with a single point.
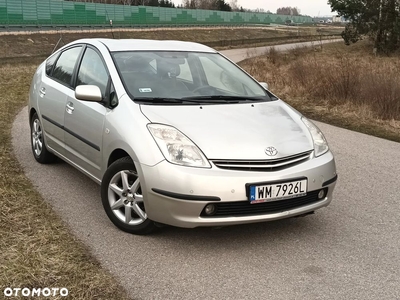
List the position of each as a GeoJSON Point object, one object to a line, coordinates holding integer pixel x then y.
{"type": "Point", "coordinates": [320, 143]}
{"type": "Point", "coordinates": [176, 147]}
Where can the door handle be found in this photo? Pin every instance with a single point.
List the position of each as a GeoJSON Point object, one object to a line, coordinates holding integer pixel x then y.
{"type": "Point", "coordinates": [42, 92]}
{"type": "Point", "coordinates": [69, 108]}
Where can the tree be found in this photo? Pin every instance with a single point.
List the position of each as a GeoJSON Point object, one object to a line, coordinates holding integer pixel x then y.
{"type": "Point", "coordinates": [222, 5]}
{"type": "Point", "coordinates": [191, 4]}
{"type": "Point", "coordinates": [258, 10]}
{"type": "Point", "coordinates": [234, 5]}
{"type": "Point", "coordinates": [162, 3]}
{"type": "Point", "coordinates": [207, 4]}
{"type": "Point", "coordinates": [153, 2]}
{"type": "Point", "coordinates": [290, 11]}
{"type": "Point", "coordinates": [378, 19]}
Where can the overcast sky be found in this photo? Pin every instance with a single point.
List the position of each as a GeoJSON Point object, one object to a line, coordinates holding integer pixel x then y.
{"type": "Point", "coordinates": [312, 8]}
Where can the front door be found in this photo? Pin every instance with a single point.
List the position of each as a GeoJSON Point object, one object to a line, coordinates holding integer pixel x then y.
{"type": "Point", "coordinates": [84, 121]}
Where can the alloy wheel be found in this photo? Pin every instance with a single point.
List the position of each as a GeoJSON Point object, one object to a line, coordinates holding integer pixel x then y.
{"type": "Point", "coordinates": [37, 137]}
{"type": "Point", "coordinates": [125, 198]}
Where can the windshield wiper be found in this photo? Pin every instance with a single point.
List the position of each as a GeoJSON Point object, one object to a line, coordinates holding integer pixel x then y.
{"type": "Point", "coordinates": [223, 99]}
{"type": "Point", "coordinates": [212, 99]}
{"type": "Point", "coordinates": [157, 100]}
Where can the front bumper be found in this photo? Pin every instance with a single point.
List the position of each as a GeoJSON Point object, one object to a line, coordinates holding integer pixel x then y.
{"type": "Point", "coordinates": [177, 195]}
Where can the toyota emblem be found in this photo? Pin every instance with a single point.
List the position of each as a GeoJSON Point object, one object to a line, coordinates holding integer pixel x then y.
{"type": "Point", "coordinates": [271, 151]}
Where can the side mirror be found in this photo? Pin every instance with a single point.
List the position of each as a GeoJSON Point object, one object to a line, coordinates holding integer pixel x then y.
{"type": "Point", "coordinates": [264, 85]}
{"type": "Point", "coordinates": [88, 93]}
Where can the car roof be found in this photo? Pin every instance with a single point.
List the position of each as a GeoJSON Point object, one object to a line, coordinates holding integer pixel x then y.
{"type": "Point", "coordinates": [115, 45]}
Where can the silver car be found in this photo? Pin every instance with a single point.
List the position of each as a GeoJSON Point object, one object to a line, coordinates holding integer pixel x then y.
{"type": "Point", "coordinates": [175, 133]}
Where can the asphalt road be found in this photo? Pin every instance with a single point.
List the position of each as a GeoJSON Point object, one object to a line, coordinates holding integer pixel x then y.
{"type": "Point", "coordinates": [349, 250]}
{"type": "Point", "coordinates": [237, 55]}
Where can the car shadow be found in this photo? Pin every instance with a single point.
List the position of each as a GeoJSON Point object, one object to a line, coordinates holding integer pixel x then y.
{"type": "Point", "coordinates": [242, 237]}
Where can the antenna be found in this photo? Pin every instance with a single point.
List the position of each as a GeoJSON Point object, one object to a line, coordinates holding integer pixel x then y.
{"type": "Point", "coordinates": [59, 41]}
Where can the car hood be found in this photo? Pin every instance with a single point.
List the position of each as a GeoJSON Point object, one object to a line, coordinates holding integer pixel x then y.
{"type": "Point", "coordinates": [237, 131]}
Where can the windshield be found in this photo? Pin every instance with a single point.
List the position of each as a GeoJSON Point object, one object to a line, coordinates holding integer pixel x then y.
{"type": "Point", "coordinates": [185, 78]}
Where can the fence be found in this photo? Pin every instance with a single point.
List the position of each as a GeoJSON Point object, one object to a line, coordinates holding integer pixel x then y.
{"type": "Point", "coordinates": [56, 13]}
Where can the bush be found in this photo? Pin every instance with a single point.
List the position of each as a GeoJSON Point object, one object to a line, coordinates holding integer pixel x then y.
{"type": "Point", "coordinates": [333, 78]}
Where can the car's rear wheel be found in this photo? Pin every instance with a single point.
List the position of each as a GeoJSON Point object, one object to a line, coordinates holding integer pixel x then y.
{"type": "Point", "coordinates": [39, 150]}
{"type": "Point", "coordinates": [122, 198]}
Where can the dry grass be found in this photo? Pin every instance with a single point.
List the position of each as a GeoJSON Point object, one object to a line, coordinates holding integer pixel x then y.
{"type": "Point", "coordinates": [36, 248]}
{"type": "Point", "coordinates": [42, 43]}
{"type": "Point", "coordinates": [346, 86]}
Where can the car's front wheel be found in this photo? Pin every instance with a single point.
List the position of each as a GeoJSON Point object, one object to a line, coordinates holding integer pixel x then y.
{"type": "Point", "coordinates": [122, 198]}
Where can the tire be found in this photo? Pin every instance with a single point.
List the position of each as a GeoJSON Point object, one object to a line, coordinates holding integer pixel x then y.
{"type": "Point", "coordinates": [122, 198]}
{"type": "Point", "coordinates": [38, 144]}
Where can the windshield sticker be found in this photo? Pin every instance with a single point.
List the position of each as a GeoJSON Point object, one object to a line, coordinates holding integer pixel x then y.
{"type": "Point", "coordinates": [145, 90]}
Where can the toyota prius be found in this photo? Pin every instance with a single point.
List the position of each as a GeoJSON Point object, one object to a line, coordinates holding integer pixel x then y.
{"type": "Point", "coordinates": [175, 133]}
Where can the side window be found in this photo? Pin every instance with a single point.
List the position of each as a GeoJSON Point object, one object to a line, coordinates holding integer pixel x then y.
{"type": "Point", "coordinates": [92, 71]}
{"type": "Point", "coordinates": [65, 65]}
{"type": "Point", "coordinates": [50, 63]}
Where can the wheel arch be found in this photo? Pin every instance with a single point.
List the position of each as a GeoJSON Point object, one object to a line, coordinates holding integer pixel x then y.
{"type": "Point", "coordinates": [31, 113]}
{"type": "Point", "coordinates": [117, 154]}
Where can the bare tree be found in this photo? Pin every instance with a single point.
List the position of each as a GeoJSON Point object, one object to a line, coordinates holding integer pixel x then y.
{"type": "Point", "coordinates": [234, 5]}
{"type": "Point", "coordinates": [290, 11]}
{"type": "Point", "coordinates": [124, 2]}
{"type": "Point", "coordinates": [206, 4]}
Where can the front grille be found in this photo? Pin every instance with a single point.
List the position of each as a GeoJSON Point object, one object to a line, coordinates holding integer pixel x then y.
{"type": "Point", "coordinates": [267, 165]}
{"type": "Point", "coordinates": [244, 208]}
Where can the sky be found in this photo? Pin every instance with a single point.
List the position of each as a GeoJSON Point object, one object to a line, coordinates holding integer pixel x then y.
{"type": "Point", "coordinates": [313, 8]}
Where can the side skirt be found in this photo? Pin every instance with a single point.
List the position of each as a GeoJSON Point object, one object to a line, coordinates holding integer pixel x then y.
{"type": "Point", "coordinates": [91, 176]}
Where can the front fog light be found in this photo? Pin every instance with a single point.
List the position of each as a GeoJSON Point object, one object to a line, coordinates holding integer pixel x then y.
{"type": "Point", "coordinates": [321, 194]}
{"type": "Point", "coordinates": [210, 209]}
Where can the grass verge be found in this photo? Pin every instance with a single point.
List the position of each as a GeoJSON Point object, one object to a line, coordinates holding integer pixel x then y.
{"type": "Point", "coordinates": [342, 85]}
{"type": "Point", "coordinates": [36, 248]}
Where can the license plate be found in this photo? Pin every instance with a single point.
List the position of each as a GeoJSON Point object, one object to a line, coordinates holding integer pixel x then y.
{"type": "Point", "coordinates": [277, 191]}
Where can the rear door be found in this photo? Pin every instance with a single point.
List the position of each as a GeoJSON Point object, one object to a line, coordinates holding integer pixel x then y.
{"type": "Point", "coordinates": [84, 120]}
{"type": "Point", "coordinates": [56, 86]}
